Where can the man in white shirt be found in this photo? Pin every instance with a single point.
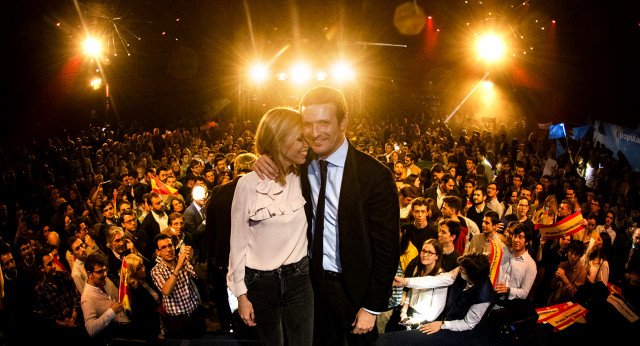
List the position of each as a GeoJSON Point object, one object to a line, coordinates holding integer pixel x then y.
{"type": "Point", "coordinates": [100, 305]}
{"type": "Point", "coordinates": [492, 199]}
{"type": "Point", "coordinates": [78, 273]}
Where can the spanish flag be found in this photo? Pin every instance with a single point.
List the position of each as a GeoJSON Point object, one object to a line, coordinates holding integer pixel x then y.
{"type": "Point", "coordinates": [160, 188]}
{"type": "Point", "coordinates": [567, 226]}
{"type": "Point", "coordinates": [123, 290]}
{"type": "Point", "coordinates": [495, 258]}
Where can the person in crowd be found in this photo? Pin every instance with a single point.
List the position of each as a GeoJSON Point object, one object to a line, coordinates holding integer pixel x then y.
{"type": "Point", "coordinates": [569, 276]}
{"type": "Point", "coordinates": [482, 243]}
{"type": "Point", "coordinates": [157, 219]}
{"type": "Point", "coordinates": [596, 263]}
{"type": "Point", "coordinates": [492, 198]}
{"type": "Point", "coordinates": [260, 248]}
{"type": "Point", "coordinates": [447, 235]}
{"type": "Point", "coordinates": [407, 194]}
{"type": "Point", "coordinates": [425, 305]}
{"type": "Point", "coordinates": [420, 230]}
{"type": "Point", "coordinates": [173, 276]}
{"type": "Point", "coordinates": [78, 272]}
{"type": "Point", "coordinates": [145, 298]}
{"type": "Point", "coordinates": [119, 247]}
{"type": "Point", "coordinates": [103, 313]}
{"type": "Point", "coordinates": [176, 205]}
{"type": "Point", "coordinates": [443, 189]}
{"type": "Point", "coordinates": [468, 229]}
{"type": "Point", "coordinates": [479, 209]}
{"type": "Point", "coordinates": [469, 297]}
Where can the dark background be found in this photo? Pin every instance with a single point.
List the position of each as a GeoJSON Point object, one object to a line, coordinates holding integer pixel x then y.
{"type": "Point", "coordinates": [584, 66]}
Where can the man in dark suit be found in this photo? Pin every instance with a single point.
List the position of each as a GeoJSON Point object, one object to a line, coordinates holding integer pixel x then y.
{"type": "Point", "coordinates": [443, 189]}
{"type": "Point", "coordinates": [150, 224]}
{"type": "Point", "coordinates": [217, 235]}
{"type": "Point", "coordinates": [354, 262]}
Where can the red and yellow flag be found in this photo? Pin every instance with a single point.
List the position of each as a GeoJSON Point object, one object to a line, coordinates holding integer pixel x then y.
{"type": "Point", "coordinates": [160, 188]}
{"type": "Point", "coordinates": [567, 226]}
{"type": "Point", "coordinates": [495, 258]}
{"type": "Point", "coordinates": [124, 295]}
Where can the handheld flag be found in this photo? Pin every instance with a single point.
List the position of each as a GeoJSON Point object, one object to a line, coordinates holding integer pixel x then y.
{"type": "Point", "coordinates": [160, 188]}
{"type": "Point", "coordinates": [567, 226]}
{"type": "Point", "coordinates": [123, 290]}
{"type": "Point", "coordinates": [495, 257]}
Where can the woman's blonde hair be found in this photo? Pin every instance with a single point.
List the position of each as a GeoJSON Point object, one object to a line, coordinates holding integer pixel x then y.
{"type": "Point", "coordinates": [274, 128]}
{"type": "Point", "coordinates": [133, 263]}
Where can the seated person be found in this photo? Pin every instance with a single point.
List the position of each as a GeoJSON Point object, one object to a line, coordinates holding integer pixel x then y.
{"type": "Point", "coordinates": [425, 305]}
{"type": "Point", "coordinates": [469, 298]}
{"type": "Point", "coordinates": [569, 276]}
{"type": "Point", "coordinates": [449, 232]}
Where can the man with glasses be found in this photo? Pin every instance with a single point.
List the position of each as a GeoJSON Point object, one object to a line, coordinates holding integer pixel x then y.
{"type": "Point", "coordinates": [100, 306]}
{"type": "Point", "coordinates": [174, 277]}
{"type": "Point", "coordinates": [492, 196]}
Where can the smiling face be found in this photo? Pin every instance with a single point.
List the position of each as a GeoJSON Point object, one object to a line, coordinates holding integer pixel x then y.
{"type": "Point", "coordinates": [428, 255]}
{"type": "Point", "coordinates": [294, 149]}
{"type": "Point", "coordinates": [321, 128]}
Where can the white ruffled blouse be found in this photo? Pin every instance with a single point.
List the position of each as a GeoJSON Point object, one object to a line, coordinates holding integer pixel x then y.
{"type": "Point", "coordinates": [268, 227]}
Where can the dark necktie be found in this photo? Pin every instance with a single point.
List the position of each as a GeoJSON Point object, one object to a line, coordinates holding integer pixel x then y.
{"type": "Point", "coordinates": [318, 235]}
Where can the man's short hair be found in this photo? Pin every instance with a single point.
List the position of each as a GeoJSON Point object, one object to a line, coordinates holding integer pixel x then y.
{"type": "Point", "coordinates": [420, 201]}
{"type": "Point", "coordinates": [576, 246]}
{"type": "Point", "coordinates": [591, 216]}
{"type": "Point", "coordinates": [445, 178]}
{"type": "Point", "coordinates": [523, 198]}
{"type": "Point", "coordinates": [476, 265]}
{"type": "Point", "coordinates": [482, 190]}
{"type": "Point", "coordinates": [159, 237]}
{"type": "Point", "coordinates": [151, 195]}
{"type": "Point", "coordinates": [323, 95]}
{"type": "Point", "coordinates": [523, 228]}
{"type": "Point", "coordinates": [454, 227]}
{"type": "Point", "coordinates": [454, 202]}
{"type": "Point", "coordinates": [493, 216]}
{"type": "Point", "coordinates": [127, 212]}
{"type": "Point", "coordinates": [408, 191]}
{"type": "Point", "coordinates": [411, 156]}
{"type": "Point", "coordinates": [174, 216]}
{"type": "Point", "coordinates": [437, 168]}
{"type": "Point", "coordinates": [46, 251]}
{"type": "Point", "coordinates": [95, 259]}
{"type": "Point", "coordinates": [22, 240]}
{"type": "Point", "coordinates": [72, 239]}
{"type": "Point", "coordinates": [244, 163]}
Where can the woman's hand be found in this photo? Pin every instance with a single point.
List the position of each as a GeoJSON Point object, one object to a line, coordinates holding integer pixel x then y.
{"type": "Point", "coordinates": [431, 328]}
{"type": "Point", "coordinates": [245, 309]}
{"type": "Point", "coordinates": [398, 281]}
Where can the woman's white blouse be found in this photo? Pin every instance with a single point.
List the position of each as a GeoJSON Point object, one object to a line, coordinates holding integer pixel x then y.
{"type": "Point", "coordinates": [268, 227]}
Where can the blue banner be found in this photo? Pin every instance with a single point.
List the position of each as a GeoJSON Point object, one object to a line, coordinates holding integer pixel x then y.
{"type": "Point", "coordinates": [619, 139]}
{"type": "Point", "coordinates": [579, 132]}
{"type": "Point", "coordinates": [559, 148]}
{"type": "Point", "coordinates": [557, 131]}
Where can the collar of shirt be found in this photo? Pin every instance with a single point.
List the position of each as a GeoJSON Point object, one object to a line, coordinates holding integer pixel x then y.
{"type": "Point", "coordinates": [198, 208]}
{"type": "Point", "coordinates": [339, 157]}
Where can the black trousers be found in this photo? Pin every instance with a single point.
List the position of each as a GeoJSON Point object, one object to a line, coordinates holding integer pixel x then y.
{"type": "Point", "coordinates": [335, 312]}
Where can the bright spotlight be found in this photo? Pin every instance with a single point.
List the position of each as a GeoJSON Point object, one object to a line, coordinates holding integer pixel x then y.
{"type": "Point", "coordinates": [96, 83]}
{"type": "Point", "coordinates": [92, 47]}
{"type": "Point", "coordinates": [490, 48]}
{"type": "Point", "coordinates": [300, 73]}
{"type": "Point", "coordinates": [487, 84]}
{"type": "Point", "coordinates": [321, 75]}
{"type": "Point", "coordinates": [258, 73]}
{"type": "Point", "coordinates": [343, 72]}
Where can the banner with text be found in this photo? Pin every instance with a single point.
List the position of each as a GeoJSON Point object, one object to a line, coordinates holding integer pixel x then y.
{"type": "Point", "coordinates": [619, 139]}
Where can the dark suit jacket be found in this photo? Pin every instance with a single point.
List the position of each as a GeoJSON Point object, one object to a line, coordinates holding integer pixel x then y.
{"type": "Point", "coordinates": [151, 227]}
{"type": "Point", "coordinates": [194, 226]}
{"type": "Point", "coordinates": [368, 227]}
{"type": "Point", "coordinates": [218, 228]}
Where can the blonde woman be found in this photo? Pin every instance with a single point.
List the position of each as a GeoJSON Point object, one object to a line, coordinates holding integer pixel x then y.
{"type": "Point", "coordinates": [144, 299]}
{"type": "Point", "coordinates": [268, 263]}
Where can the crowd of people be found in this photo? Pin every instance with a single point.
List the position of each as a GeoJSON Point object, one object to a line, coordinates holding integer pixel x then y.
{"type": "Point", "coordinates": [82, 214]}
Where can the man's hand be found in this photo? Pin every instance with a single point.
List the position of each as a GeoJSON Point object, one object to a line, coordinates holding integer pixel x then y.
{"type": "Point", "coordinates": [245, 309]}
{"type": "Point", "coordinates": [117, 307]}
{"type": "Point", "coordinates": [184, 256]}
{"type": "Point", "coordinates": [364, 322]}
{"type": "Point", "coordinates": [265, 167]}
{"type": "Point", "coordinates": [560, 274]}
{"type": "Point", "coordinates": [431, 328]}
{"type": "Point", "coordinates": [501, 288]}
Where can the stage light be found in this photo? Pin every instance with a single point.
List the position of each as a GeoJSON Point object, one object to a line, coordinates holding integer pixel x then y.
{"type": "Point", "coordinates": [96, 83]}
{"type": "Point", "coordinates": [282, 76]}
{"type": "Point", "coordinates": [300, 73]}
{"type": "Point", "coordinates": [487, 84]}
{"type": "Point", "coordinates": [490, 48]}
{"type": "Point", "coordinates": [343, 72]}
{"type": "Point", "coordinates": [258, 73]}
{"type": "Point", "coordinates": [92, 47]}
{"type": "Point", "coordinates": [321, 75]}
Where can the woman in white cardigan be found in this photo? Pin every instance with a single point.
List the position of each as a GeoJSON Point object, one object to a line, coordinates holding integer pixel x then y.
{"type": "Point", "coordinates": [268, 263]}
{"type": "Point", "coordinates": [426, 304]}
